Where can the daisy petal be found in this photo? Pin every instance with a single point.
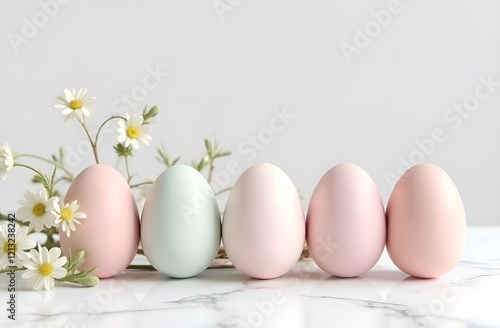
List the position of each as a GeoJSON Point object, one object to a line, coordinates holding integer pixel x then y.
{"type": "Point", "coordinates": [68, 95]}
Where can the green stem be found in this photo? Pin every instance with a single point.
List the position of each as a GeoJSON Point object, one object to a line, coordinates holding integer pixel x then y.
{"type": "Point", "coordinates": [151, 268]}
{"type": "Point", "coordinates": [12, 269]}
{"type": "Point", "coordinates": [92, 143]}
{"type": "Point", "coordinates": [34, 170]}
{"type": "Point", "coordinates": [223, 191]}
{"type": "Point", "coordinates": [52, 182]}
{"type": "Point", "coordinates": [140, 267]}
{"type": "Point", "coordinates": [49, 185]}
{"type": "Point", "coordinates": [21, 223]}
{"type": "Point", "coordinates": [129, 177]}
{"type": "Point", "coordinates": [211, 171]}
{"type": "Point", "coordinates": [104, 123]}
{"type": "Point", "coordinates": [67, 179]}
{"type": "Point", "coordinates": [68, 172]}
{"type": "Point", "coordinates": [221, 266]}
{"type": "Point", "coordinates": [140, 184]}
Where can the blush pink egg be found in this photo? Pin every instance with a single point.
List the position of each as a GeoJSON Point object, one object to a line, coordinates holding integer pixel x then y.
{"type": "Point", "coordinates": [109, 234]}
{"type": "Point", "coordinates": [345, 225]}
{"type": "Point", "coordinates": [263, 228]}
{"type": "Point", "coordinates": [426, 222]}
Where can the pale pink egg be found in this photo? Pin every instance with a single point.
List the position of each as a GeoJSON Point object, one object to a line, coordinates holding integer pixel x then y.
{"type": "Point", "coordinates": [263, 228]}
{"type": "Point", "coordinates": [345, 226]}
{"type": "Point", "coordinates": [426, 222]}
{"type": "Point", "coordinates": [110, 233]}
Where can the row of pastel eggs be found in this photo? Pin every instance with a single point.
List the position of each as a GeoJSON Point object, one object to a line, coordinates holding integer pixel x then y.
{"type": "Point", "coordinates": [264, 228]}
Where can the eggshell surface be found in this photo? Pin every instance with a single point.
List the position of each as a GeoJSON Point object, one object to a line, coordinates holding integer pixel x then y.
{"type": "Point", "coordinates": [345, 223]}
{"type": "Point", "coordinates": [426, 222]}
{"type": "Point", "coordinates": [181, 224]}
{"type": "Point", "coordinates": [109, 234]}
{"type": "Point", "coordinates": [263, 229]}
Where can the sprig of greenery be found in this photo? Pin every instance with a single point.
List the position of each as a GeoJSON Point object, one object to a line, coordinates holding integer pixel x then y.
{"type": "Point", "coordinates": [164, 158]}
{"type": "Point", "coordinates": [123, 151]}
{"type": "Point", "coordinates": [48, 183]}
{"type": "Point", "coordinates": [214, 152]}
{"type": "Point", "coordinates": [83, 278]}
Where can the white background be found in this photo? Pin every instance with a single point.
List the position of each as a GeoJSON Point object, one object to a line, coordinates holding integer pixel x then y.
{"type": "Point", "coordinates": [229, 70]}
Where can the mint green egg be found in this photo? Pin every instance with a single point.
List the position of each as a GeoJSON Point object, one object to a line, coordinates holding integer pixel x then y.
{"type": "Point", "coordinates": [181, 223]}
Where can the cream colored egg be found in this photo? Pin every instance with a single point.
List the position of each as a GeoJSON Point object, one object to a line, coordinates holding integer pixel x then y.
{"type": "Point", "coordinates": [263, 226]}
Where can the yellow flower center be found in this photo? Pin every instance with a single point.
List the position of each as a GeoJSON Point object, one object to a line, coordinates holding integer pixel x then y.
{"type": "Point", "coordinates": [132, 132]}
{"type": "Point", "coordinates": [45, 269]}
{"type": "Point", "coordinates": [75, 104]}
{"type": "Point", "coordinates": [9, 247]}
{"type": "Point", "coordinates": [38, 210]}
{"type": "Point", "coordinates": [66, 214]}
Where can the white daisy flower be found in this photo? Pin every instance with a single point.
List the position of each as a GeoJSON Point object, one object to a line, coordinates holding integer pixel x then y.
{"type": "Point", "coordinates": [15, 246]}
{"type": "Point", "coordinates": [6, 160]}
{"type": "Point", "coordinates": [38, 210]}
{"type": "Point", "coordinates": [43, 267]}
{"type": "Point", "coordinates": [132, 131]}
{"type": "Point", "coordinates": [68, 217]}
{"type": "Point", "coordinates": [75, 104]}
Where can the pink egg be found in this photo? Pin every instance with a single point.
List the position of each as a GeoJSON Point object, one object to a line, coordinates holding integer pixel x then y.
{"type": "Point", "coordinates": [110, 233]}
{"type": "Point", "coordinates": [426, 222]}
{"type": "Point", "coordinates": [263, 228]}
{"type": "Point", "coordinates": [345, 225]}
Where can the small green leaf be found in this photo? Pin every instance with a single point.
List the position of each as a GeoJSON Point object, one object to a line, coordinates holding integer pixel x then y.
{"type": "Point", "coordinates": [163, 157]}
{"type": "Point", "coordinates": [37, 179]}
{"type": "Point", "coordinates": [226, 153]}
{"type": "Point", "coordinates": [61, 156]}
{"type": "Point", "coordinates": [121, 150]}
{"type": "Point", "coordinates": [208, 145]}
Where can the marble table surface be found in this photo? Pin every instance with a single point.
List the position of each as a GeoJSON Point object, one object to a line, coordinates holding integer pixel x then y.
{"type": "Point", "coordinates": [467, 296]}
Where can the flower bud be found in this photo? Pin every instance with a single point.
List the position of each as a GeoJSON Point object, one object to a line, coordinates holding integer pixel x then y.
{"type": "Point", "coordinates": [150, 113]}
{"type": "Point", "coordinates": [153, 111]}
{"type": "Point", "coordinates": [89, 281]}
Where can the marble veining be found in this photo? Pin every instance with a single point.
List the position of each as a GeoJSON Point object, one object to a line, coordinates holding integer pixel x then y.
{"type": "Point", "coordinates": [467, 296]}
